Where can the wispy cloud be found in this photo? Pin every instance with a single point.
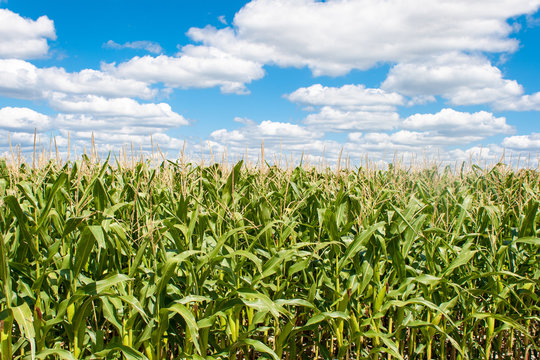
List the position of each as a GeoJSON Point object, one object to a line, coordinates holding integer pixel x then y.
{"type": "Point", "coordinates": [149, 46]}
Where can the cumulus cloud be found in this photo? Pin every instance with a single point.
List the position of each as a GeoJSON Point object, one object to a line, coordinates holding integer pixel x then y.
{"type": "Point", "coordinates": [490, 154]}
{"type": "Point", "coordinates": [114, 122]}
{"type": "Point", "coordinates": [18, 126]}
{"type": "Point", "coordinates": [385, 148]}
{"type": "Point", "coordinates": [194, 67]}
{"type": "Point", "coordinates": [338, 120]}
{"type": "Point", "coordinates": [281, 140]}
{"type": "Point", "coordinates": [19, 138]}
{"type": "Point", "coordinates": [266, 130]}
{"type": "Point", "coordinates": [22, 119]}
{"type": "Point", "coordinates": [333, 37]}
{"type": "Point", "coordinates": [149, 46]}
{"type": "Point", "coordinates": [350, 107]}
{"type": "Point", "coordinates": [407, 140]}
{"type": "Point", "coordinates": [278, 138]}
{"type": "Point", "coordinates": [24, 38]}
{"type": "Point", "coordinates": [449, 122]}
{"type": "Point", "coordinates": [114, 141]}
{"type": "Point", "coordinates": [21, 79]}
{"type": "Point", "coordinates": [352, 96]}
{"type": "Point", "coordinates": [529, 142]}
{"type": "Point", "coordinates": [431, 133]}
{"type": "Point", "coordinates": [154, 115]}
{"type": "Point", "coordinates": [522, 103]}
{"type": "Point", "coordinates": [462, 79]}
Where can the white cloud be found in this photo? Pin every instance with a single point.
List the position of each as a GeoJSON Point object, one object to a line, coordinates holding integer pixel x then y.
{"type": "Point", "coordinates": [335, 36]}
{"type": "Point", "coordinates": [222, 19]}
{"type": "Point", "coordinates": [24, 38]}
{"type": "Point", "coordinates": [426, 149]}
{"type": "Point", "coordinates": [449, 122]}
{"type": "Point", "coordinates": [460, 78]}
{"type": "Point", "coordinates": [434, 134]}
{"type": "Point", "coordinates": [281, 140]}
{"type": "Point", "coordinates": [108, 125]}
{"type": "Point", "coordinates": [110, 132]}
{"type": "Point", "coordinates": [22, 119]}
{"type": "Point", "coordinates": [227, 40]}
{"type": "Point", "coordinates": [267, 131]}
{"type": "Point", "coordinates": [407, 140]}
{"type": "Point", "coordinates": [114, 141]}
{"type": "Point", "coordinates": [194, 67]}
{"type": "Point", "coordinates": [350, 107]}
{"type": "Point", "coordinates": [17, 128]}
{"type": "Point", "coordinates": [153, 115]}
{"type": "Point", "coordinates": [489, 154]}
{"type": "Point", "coordinates": [149, 46]}
{"type": "Point", "coordinates": [529, 142]}
{"type": "Point", "coordinates": [117, 122]}
{"type": "Point", "coordinates": [345, 96]}
{"type": "Point", "coordinates": [18, 138]}
{"type": "Point", "coordinates": [522, 103]}
{"type": "Point", "coordinates": [113, 121]}
{"type": "Point", "coordinates": [21, 79]}
{"type": "Point", "coordinates": [337, 119]}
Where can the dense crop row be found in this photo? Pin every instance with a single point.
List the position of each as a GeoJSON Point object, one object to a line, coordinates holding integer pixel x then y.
{"type": "Point", "coordinates": [99, 261]}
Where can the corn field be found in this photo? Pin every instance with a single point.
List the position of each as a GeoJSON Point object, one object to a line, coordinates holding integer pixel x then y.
{"type": "Point", "coordinates": [180, 261]}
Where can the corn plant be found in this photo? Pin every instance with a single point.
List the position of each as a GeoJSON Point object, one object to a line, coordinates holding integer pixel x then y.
{"type": "Point", "coordinates": [103, 260]}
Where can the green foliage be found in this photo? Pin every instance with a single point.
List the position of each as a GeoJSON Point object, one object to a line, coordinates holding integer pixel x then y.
{"type": "Point", "coordinates": [181, 261]}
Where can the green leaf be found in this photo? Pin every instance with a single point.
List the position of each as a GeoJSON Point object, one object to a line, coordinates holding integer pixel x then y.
{"type": "Point", "coordinates": [256, 345]}
{"type": "Point", "coordinates": [358, 242]}
{"type": "Point", "coordinates": [5, 276]}
{"type": "Point", "coordinates": [463, 258]}
{"type": "Point", "coordinates": [96, 288]}
{"type": "Point", "coordinates": [62, 354]}
{"type": "Point", "coordinates": [46, 210]}
{"type": "Point", "coordinates": [234, 177]}
{"type": "Point", "coordinates": [261, 302]}
{"type": "Point", "coordinates": [89, 236]}
{"type": "Point", "coordinates": [23, 316]}
{"type": "Point", "coordinates": [528, 225]}
{"type": "Point", "coordinates": [128, 352]}
{"type": "Point", "coordinates": [190, 321]}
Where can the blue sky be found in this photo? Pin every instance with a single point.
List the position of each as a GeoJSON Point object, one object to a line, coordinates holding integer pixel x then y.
{"type": "Point", "coordinates": [450, 80]}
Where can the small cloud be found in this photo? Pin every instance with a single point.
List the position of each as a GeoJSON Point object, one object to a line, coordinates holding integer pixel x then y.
{"type": "Point", "coordinates": [221, 19]}
{"type": "Point", "coordinates": [530, 20]}
{"type": "Point", "coordinates": [58, 54]}
{"type": "Point", "coordinates": [421, 100]}
{"type": "Point", "coordinates": [245, 121]}
{"type": "Point", "coordinates": [149, 46]}
{"type": "Point", "coordinates": [530, 142]}
{"type": "Point", "coordinates": [452, 123]}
